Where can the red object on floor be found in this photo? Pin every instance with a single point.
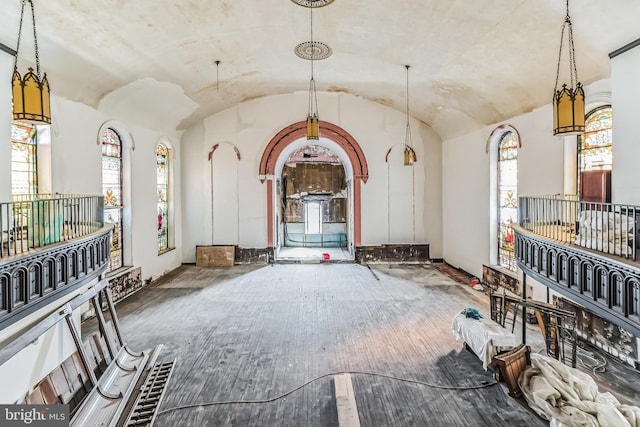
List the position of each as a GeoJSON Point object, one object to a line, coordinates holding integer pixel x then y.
{"type": "Point", "coordinates": [325, 256]}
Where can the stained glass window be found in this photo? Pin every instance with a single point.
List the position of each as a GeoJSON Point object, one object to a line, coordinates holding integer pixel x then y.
{"type": "Point", "coordinates": [24, 170]}
{"type": "Point", "coordinates": [162, 184]}
{"type": "Point", "coordinates": [595, 147]}
{"type": "Point", "coordinates": [112, 192]}
{"type": "Point", "coordinates": [507, 198]}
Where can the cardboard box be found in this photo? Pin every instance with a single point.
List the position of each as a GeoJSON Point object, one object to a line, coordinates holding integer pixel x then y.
{"type": "Point", "coordinates": [215, 256]}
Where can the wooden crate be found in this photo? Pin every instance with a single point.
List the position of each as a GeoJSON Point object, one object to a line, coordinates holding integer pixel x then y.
{"type": "Point", "coordinates": [215, 256]}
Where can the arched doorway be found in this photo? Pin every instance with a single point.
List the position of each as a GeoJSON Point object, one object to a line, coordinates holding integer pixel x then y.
{"type": "Point", "coordinates": [334, 141]}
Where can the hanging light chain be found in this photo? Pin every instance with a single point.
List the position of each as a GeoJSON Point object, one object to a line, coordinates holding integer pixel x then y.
{"type": "Point", "coordinates": [573, 70]}
{"type": "Point", "coordinates": [407, 92]}
{"type": "Point", "coordinates": [407, 139]}
{"type": "Point", "coordinates": [568, 102]}
{"type": "Point", "coordinates": [15, 59]}
{"type": "Point", "coordinates": [312, 91]}
{"type": "Point", "coordinates": [217, 74]}
{"type": "Point", "coordinates": [313, 54]}
{"type": "Point", "coordinates": [313, 99]}
{"type": "Point", "coordinates": [35, 36]}
{"type": "Point", "coordinates": [572, 56]}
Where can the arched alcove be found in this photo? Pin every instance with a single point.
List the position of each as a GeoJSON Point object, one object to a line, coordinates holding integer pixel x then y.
{"type": "Point", "coordinates": [224, 158]}
{"type": "Point", "coordinates": [336, 139]}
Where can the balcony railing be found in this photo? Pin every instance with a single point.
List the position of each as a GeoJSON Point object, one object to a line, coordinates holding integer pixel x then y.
{"type": "Point", "coordinates": [49, 246]}
{"type": "Point", "coordinates": [604, 227]}
{"type": "Point", "coordinates": [606, 286]}
{"type": "Point", "coordinates": [32, 221]}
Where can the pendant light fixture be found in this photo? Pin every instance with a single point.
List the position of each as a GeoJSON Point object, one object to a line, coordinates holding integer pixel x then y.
{"type": "Point", "coordinates": [409, 154]}
{"type": "Point", "coordinates": [312, 51]}
{"type": "Point", "coordinates": [313, 125]}
{"type": "Point", "coordinates": [31, 98]}
{"type": "Point", "coordinates": [568, 102]}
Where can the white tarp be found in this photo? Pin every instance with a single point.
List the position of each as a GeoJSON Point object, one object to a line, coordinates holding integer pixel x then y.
{"type": "Point", "coordinates": [484, 336]}
{"type": "Point", "coordinates": [569, 397]}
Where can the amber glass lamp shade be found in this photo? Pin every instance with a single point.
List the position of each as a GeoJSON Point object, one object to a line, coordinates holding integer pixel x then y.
{"type": "Point", "coordinates": [568, 111]}
{"type": "Point", "coordinates": [409, 156]}
{"type": "Point", "coordinates": [313, 127]}
{"type": "Point", "coordinates": [31, 99]}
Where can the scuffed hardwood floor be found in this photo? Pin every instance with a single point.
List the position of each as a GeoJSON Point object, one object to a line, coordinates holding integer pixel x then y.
{"type": "Point", "coordinates": [256, 332]}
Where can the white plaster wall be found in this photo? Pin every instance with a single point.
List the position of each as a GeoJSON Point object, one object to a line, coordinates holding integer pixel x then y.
{"type": "Point", "coordinates": [194, 192]}
{"type": "Point", "coordinates": [400, 198]}
{"type": "Point", "coordinates": [44, 159]}
{"type": "Point", "coordinates": [6, 69]}
{"type": "Point", "coordinates": [226, 196]}
{"type": "Point", "coordinates": [625, 88]}
{"type": "Point", "coordinates": [465, 198]}
{"type": "Point", "coordinates": [467, 201]}
{"type": "Point", "coordinates": [251, 125]}
{"type": "Point", "coordinates": [75, 156]}
{"type": "Point", "coordinates": [144, 211]}
{"type": "Point", "coordinates": [77, 168]}
{"type": "Point", "coordinates": [432, 167]}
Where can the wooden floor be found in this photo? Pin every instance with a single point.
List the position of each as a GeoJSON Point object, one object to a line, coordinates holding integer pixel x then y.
{"type": "Point", "coordinates": [256, 332]}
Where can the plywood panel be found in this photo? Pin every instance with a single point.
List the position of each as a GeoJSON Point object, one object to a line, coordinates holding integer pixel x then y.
{"type": "Point", "coordinates": [215, 256]}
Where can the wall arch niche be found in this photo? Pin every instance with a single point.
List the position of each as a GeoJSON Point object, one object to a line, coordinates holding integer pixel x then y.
{"type": "Point", "coordinates": [323, 214]}
{"type": "Point", "coordinates": [401, 209]}
{"type": "Point", "coordinates": [224, 163]}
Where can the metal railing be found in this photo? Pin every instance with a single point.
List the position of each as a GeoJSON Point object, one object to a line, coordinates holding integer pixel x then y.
{"type": "Point", "coordinates": [604, 227]}
{"type": "Point", "coordinates": [34, 221]}
{"type": "Point", "coordinates": [605, 286]}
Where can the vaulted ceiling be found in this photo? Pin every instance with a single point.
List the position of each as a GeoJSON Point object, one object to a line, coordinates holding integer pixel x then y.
{"type": "Point", "coordinates": [473, 63]}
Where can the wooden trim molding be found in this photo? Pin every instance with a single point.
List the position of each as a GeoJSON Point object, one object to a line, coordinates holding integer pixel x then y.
{"type": "Point", "coordinates": [327, 130]}
{"type": "Point", "coordinates": [497, 133]}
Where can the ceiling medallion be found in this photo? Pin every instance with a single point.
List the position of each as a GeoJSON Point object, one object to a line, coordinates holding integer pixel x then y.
{"type": "Point", "coordinates": [313, 50]}
{"type": "Point", "coordinates": [312, 3]}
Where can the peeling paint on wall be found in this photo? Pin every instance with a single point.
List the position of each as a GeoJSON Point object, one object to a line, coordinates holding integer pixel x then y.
{"type": "Point", "coordinates": [392, 253]}
{"type": "Point", "coordinates": [612, 338]}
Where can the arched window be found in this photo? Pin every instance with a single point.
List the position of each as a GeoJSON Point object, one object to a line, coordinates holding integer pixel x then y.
{"type": "Point", "coordinates": [595, 150]}
{"type": "Point", "coordinates": [162, 184]}
{"type": "Point", "coordinates": [24, 169]}
{"type": "Point", "coordinates": [112, 191]}
{"type": "Point", "coordinates": [507, 198]}
{"type": "Point", "coordinates": [595, 146]}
